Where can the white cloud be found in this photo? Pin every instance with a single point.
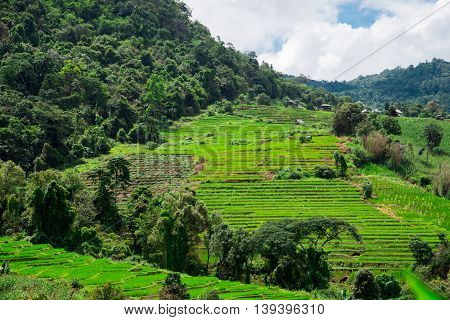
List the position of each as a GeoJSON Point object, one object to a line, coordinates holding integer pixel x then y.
{"type": "Point", "coordinates": [314, 43]}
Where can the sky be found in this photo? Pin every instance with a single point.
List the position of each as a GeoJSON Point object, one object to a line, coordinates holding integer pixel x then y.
{"type": "Point", "coordinates": [323, 38]}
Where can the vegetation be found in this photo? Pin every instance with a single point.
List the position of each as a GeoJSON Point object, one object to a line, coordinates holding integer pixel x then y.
{"type": "Point", "coordinates": [412, 87]}
{"type": "Point", "coordinates": [77, 75]}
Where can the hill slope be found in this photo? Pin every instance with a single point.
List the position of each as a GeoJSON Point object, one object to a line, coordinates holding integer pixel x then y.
{"type": "Point", "coordinates": [75, 74]}
{"type": "Point", "coordinates": [421, 84]}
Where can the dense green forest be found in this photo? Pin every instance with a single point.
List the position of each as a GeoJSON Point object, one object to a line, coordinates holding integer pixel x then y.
{"type": "Point", "coordinates": [75, 75]}
{"type": "Point", "coordinates": [412, 87]}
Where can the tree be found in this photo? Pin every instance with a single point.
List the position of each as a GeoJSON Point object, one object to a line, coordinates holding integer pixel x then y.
{"type": "Point", "coordinates": [183, 220]}
{"type": "Point", "coordinates": [52, 216]}
{"type": "Point", "coordinates": [422, 252]}
{"type": "Point", "coordinates": [234, 249]}
{"type": "Point", "coordinates": [173, 288]}
{"type": "Point", "coordinates": [104, 200]}
{"type": "Point", "coordinates": [433, 135]}
{"type": "Point", "coordinates": [295, 250]}
{"type": "Point", "coordinates": [341, 164]}
{"type": "Point", "coordinates": [391, 125]}
{"type": "Point", "coordinates": [365, 286]}
{"type": "Point", "coordinates": [389, 286]}
{"type": "Point", "coordinates": [12, 180]}
{"type": "Point", "coordinates": [263, 100]}
{"type": "Point", "coordinates": [119, 169]}
{"type": "Point", "coordinates": [347, 118]}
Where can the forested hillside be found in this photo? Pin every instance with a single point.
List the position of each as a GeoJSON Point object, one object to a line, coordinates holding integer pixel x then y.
{"type": "Point", "coordinates": [426, 82]}
{"type": "Point", "coordinates": [76, 74]}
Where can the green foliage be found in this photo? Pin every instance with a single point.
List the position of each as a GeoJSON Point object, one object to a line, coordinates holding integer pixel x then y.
{"type": "Point", "coordinates": [174, 288]}
{"type": "Point", "coordinates": [325, 172]}
{"type": "Point", "coordinates": [391, 125]}
{"type": "Point", "coordinates": [234, 250]}
{"type": "Point", "coordinates": [290, 173]}
{"type": "Point", "coordinates": [389, 286]}
{"type": "Point", "coordinates": [68, 69]}
{"type": "Point", "coordinates": [341, 164]}
{"type": "Point", "coordinates": [347, 118]}
{"type": "Point", "coordinates": [413, 87]}
{"type": "Point", "coordinates": [52, 216]}
{"type": "Point", "coordinates": [107, 292]}
{"type": "Point", "coordinates": [366, 286]}
{"type": "Point", "coordinates": [294, 250]}
{"type": "Point", "coordinates": [367, 189]}
{"type": "Point", "coordinates": [263, 100]}
{"type": "Point", "coordinates": [433, 135]}
{"type": "Point", "coordinates": [422, 252]}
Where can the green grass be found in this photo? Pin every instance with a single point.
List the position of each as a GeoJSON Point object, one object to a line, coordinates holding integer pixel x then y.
{"type": "Point", "coordinates": [412, 132]}
{"type": "Point", "coordinates": [419, 288]}
{"type": "Point", "coordinates": [409, 202]}
{"type": "Point", "coordinates": [137, 281]}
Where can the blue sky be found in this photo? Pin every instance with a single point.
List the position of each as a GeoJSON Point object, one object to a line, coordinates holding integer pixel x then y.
{"type": "Point", "coordinates": [354, 15]}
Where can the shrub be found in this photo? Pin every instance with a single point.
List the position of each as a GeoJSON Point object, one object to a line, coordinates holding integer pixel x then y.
{"type": "Point", "coordinates": [422, 252]}
{"type": "Point", "coordinates": [4, 268]}
{"type": "Point", "coordinates": [359, 156]}
{"type": "Point", "coordinates": [210, 295]}
{"type": "Point", "coordinates": [389, 286]}
{"type": "Point", "coordinates": [107, 292]}
{"type": "Point", "coordinates": [325, 172]}
{"type": "Point", "coordinates": [425, 181]}
{"type": "Point", "coordinates": [305, 139]}
{"type": "Point", "coordinates": [290, 174]}
{"type": "Point", "coordinates": [441, 182]}
{"type": "Point", "coordinates": [173, 288]}
{"type": "Point", "coordinates": [391, 125]}
{"type": "Point", "coordinates": [367, 189]}
{"type": "Point", "coordinates": [263, 100]}
{"type": "Point", "coordinates": [366, 287]}
{"type": "Point", "coordinates": [377, 145]}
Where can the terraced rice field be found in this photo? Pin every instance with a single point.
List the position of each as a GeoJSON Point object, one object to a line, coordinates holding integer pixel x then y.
{"type": "Point", "coordinates": [235, 158]}
{"type": "Point", "coordinates": [159, 173]}
{"type": "Point", "coordinates": [283, 115]}
{"type": "Point", "coordinates": [241, 149]}
{"type": "Point", "coordinates": [137, 281]}
{"type": "Point", "coordinates": [385, 239]}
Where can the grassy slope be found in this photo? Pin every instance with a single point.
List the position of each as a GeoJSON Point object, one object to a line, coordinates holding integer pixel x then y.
{"type": "Point", "coordinates": [137, 281]}
{"type": "Point", "coordinates": [412, 132]}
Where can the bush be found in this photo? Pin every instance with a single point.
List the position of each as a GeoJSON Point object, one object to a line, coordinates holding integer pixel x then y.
{"type": "Point", "coordinates": [291, 174]}
{"type": "Point", "coordinates": [367, 190]}
{"type": "Point", "coordinates": [325, 172]}
{"type": "Point", "coordinates": [173, 288]}
{"type": "Point", "coordinates": [391, 125]}
{"type": "Point", "coordinates": [210, 295]}
{"type": "Point", "coordinates": [263, 100]}
{"type": "Point", "coordinates": [366, 287]}
{"type": "Point", "coordinates": [359, 157]}
{"type": "Point", "coordinates": [377, 144]}
{"type": "Point", "coordinates": [107, 292]}
{"type": "Point", "coordinates": [389, 286]}
{"type": "Point", "coordinates": [4, 268]}
{"type": "Point", "coordinates": [441, 182]}
{"type": "Point", "coordinates": [95, 142]}
{"type": "Point", "coordinates": [305, 139]}
{"type": "Point", "coordinates": [425, 181]}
